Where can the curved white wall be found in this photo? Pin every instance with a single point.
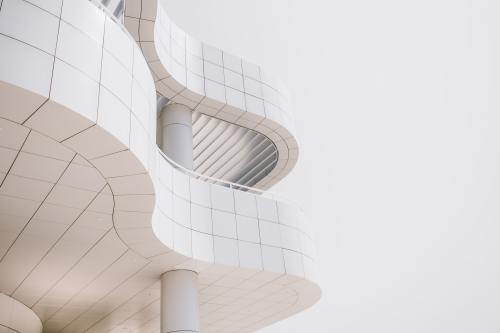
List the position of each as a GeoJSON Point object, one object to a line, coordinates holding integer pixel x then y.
{"type": "Point", "coordinates": [75, 75]}
{"type": "Point", "coordinates": [214, 82]}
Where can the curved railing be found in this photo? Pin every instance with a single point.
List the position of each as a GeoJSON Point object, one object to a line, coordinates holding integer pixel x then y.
{"type": "Point", "coordinates": [149, 203]}
{"type": "Point", "coordinates": [197, 175]}
{"type": "Point", "coordinates": [211, 81]}
{"type": "Point", "coordinates": [225, 183]}
{"type": "Point", "coordinates": [115, 8]}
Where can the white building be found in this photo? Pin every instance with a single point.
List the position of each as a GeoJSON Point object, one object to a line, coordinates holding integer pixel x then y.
{"type": "Point", "coordinates": [134, 164]}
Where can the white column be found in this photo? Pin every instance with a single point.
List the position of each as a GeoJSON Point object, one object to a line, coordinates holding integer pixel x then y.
{"type": "Point", "coordinates": [17, 317]}
{"type": "Point", "coordinates": [179, 301]}
{"type": "Point", "coordinates": [177, 135]}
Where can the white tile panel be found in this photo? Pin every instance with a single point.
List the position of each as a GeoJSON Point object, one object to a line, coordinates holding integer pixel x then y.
{"type": "Point", "coordinates": [245, 204]}
{"type": "Point", "coordinates": [251, 70]}
{"type": "Point", "coordinates": [248, 229]}
{"type": "Point", "coordinates": [85, 16]}
{"type": "Point", "coordinates": [30, 24]}
{"type": "Point", "coordinates": [226, 251]}
{"type": "Point", "coordinates": [140, 104]}
{"type": "Point", "coordinates": [290, 238]}
{"type": "Point", "coordinates": [200, 192]}
{"type": "Point", "coordinates": [224, 224]}
{"type": "Point", "coordinates": [289, 215]}
{"type": "Point", "coordinates": [24, 60]}
{"type": "Point", "coordinates": [194, 47]}
{"type": "Point", "coordinates": [232, 62]}
{"type": "Point", "coordinates": [267, 209]}
{"type": "Point", "coordinates": [181, 185]}
{"type": "Point", "coordinates": [178, 35]}
{"type": "Point", "coordinates": [293, 263]}
{"type": "Point", "coordinates": [178, 72]}
{"type": "Point", "coordinates": [164, 230]}
{"type": "Point", "coordinates": [250, 255]}
{"type": "Point", "coordinates": [216, 92]}
{"type": "Point", "coordinates": [222, 198]}
{"type": "Point", "coordinates": [114, 116]}
{"type": "Point", "coordinates": [139, 141]}
{"type": "Point", "coordinates": [213, 72]}
{"type": "Point", "coordinates": [253, 87]}
{"type": "Point", "coordinates": [182, 211]}
{"type": "Point", "coordinates": [79, 50]}
{"type": "Point", "coordinates": [196, 87]}
{"type": "Point", "coordinates": [254, 105]}
{"type": "Point", "coordinates": [165, 174]}
{"type": "Point", "coordinates": [272, 259]}
{"type": "Point", "coordinates": [182, 240]}
{"type": "Point", "coordinates": [116, 78]}
{"type": "Point", "coordinates": [141, 72]}
{"type": "Point", "coordinates": [233, 80]}
{"type": "Point", "coordinates": [201, 218]}
{"type": "Point", "coordinates": [194, 64]}
{"type": "Point", "coordinates": [74, 90]}
{"type": "Point", "coordinates": [203, 247]}
{"type": "Point", "coordinates": [270, 233]}
{"type": "Point", "coordinates": [212, 54]}
{"type": "Point", "coordinates": [118, 44]}
{"type": "Point", "coordinates": [178, 54]}
{"type": "Point", "coordinates": [235, 98]}
{"type": "Point", "coordinates": [52, 6]}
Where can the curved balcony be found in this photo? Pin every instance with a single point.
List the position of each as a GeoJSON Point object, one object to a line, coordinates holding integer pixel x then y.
{"type": "Point", "coordinates": [92, 212]}
{"type": "Point", "coordinates": [213, 82]}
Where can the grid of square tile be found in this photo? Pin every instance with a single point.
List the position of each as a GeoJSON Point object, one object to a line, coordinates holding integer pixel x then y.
{"type": "Point", "coordinates": [213, 82]}
{"type": "Point", "coordinates": [223, 226]}
{"type": "Point", "coordinates": [105, 155]}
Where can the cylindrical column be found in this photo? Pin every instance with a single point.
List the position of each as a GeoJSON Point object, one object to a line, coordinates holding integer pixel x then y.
{"type": "Point", "coordinates": [179, 302]}
{"type": "Point", "coordinates": [177, 135]}
{"type": "Point", "coordinates": [17, 317]}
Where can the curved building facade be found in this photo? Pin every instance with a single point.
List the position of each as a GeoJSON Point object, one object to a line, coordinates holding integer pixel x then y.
{"type": "Point", "coordinates": [134, 167]}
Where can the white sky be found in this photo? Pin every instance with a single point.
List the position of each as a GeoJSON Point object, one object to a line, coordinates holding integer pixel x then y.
{"type": "Point", "coordinates": [398, 115]}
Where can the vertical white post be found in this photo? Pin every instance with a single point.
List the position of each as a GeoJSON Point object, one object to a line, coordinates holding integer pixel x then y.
{"type": "Point", "coordinates": [179, 302]}
{"type": "Point", "coordinates": [177, 135]}
{"type": "Point", "coordinates": [179, 288]}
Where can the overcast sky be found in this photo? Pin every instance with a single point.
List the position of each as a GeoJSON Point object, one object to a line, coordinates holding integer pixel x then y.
{"type": "Point", "coordinates": [398, 115]}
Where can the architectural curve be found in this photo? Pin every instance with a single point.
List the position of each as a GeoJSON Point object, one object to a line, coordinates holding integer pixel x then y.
{"type": "Point", "coordinates": [17, 317]}
{"type": "Point", "coordinates": [93, 79]}
{"type": "Point", "coordinates": [213, 82]}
